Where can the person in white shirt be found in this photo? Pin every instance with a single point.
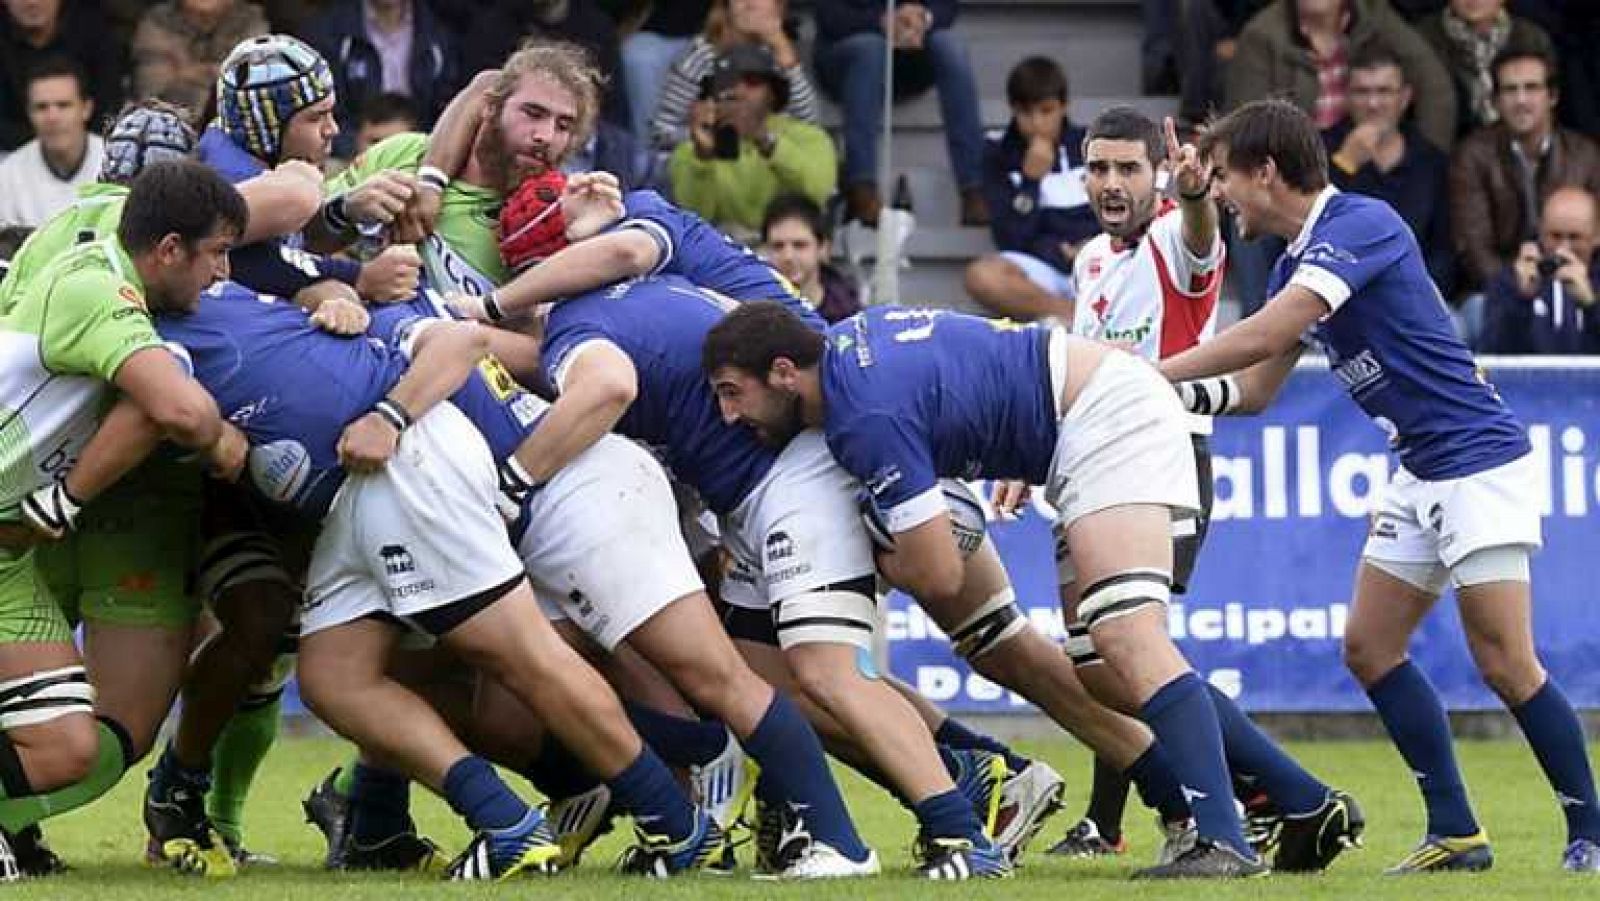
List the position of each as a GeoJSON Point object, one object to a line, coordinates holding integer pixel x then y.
{"type": "Point", "coordinates": [42, 177]}
{"type": "Point", "coordinates": [1148, 282]}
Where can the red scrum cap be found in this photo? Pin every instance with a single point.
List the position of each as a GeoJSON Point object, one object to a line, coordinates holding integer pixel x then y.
{"type": "Point", "coordinates": [531, 225]}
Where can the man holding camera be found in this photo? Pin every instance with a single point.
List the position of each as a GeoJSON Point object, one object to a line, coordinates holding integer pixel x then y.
{"type": "Point", "coordinates": [742, 151]}
{"type": "Point", "coordinates": [1544, 302]}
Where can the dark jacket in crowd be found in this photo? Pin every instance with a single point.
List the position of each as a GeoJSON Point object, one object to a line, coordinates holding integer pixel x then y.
{"type": "Point", "coordinates": [838, 19]}
{"type": "Point", "coordinates": [1487, 215]}
{"type": "Point", "coordinates": [1417, 187]}
{"type": "Point", "coordinates": [503, 25]}
{"type": "Point", "coordinates": [1545, 324]}
{"type": "Point", "coordinates": [340, 35]}
{"type": "Point", "coordinates": [81, 37]}
{"type": "Point", "coordinates": [1023, 216]}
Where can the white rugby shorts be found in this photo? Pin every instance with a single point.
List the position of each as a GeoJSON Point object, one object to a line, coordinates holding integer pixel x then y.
{"type": "Point", "coordinates": [1420, 521]}
{"type": "Point", "coordinates": [420, 534]}
{"type": "Point", "coordinates": [603, 547]}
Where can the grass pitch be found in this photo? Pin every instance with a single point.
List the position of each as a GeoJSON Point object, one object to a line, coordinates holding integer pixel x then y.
{"type": "Point", "coordinates": [103, 843]}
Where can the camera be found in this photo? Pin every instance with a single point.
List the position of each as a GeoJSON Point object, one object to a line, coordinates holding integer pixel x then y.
{"type": "Point", "coordinates": [1549, 265]}
{"type": "Point", "coordinates": [724, 138]}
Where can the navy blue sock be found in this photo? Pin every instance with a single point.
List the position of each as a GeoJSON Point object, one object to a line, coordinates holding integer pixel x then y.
{"type": "Point", "coordinates": [1181, 716]}
{"type": "Point", "coordinates": [1108, 795]}
{"type": "Point", "coordinates": [556, 773]}
{"type": "Point", "coordinates": [1553, 730]}
{"type": "Point", "coordinates": [646, 789]}
{"type": "Point", "coordinates": [1158, 785]}
{"type": "Point", "coordinates": [955, 734]}
{"type": "Point", "coordinates": [1295, 791]}
{"type": "Point", "coordinates": [681, 742]}
{"type": "Point", "coordinates": [476, 792]}
{"type": "Point", "coordinates": [1415, 720]}
{"type": "Point", "coordinates": [949, 815]}
{"type": "Point", "coordinates": [380, 804]}
{"type": "Point", "coordinates": [951, 758]}
{"type": "Point", "coordinates": [168, 774]}
{"type": "Point", "coordinates": [794, 768]}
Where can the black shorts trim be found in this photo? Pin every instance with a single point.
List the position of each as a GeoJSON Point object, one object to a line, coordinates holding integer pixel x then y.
{"type": "Point", "coordinates": [440, 621]}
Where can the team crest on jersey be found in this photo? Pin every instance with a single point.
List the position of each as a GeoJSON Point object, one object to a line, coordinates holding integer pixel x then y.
{"type": "Point", "coordinates": [1324, 252]}
{"type": "Point", "coordinates": [131, 295]}
{"type": "Point", "coordinates": [1094, 267]}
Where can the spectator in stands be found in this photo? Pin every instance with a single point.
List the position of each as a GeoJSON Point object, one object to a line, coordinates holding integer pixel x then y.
{"type": "Point", "coordinates": [1376, 152]}
{"type": "Point", "coordinates": [180, 43]}
{"type": "Point", "coordinates": [384, 116]}
{"type": "Point", "coordinates": [294, 16]}
{"type": "Point", "coordinates": [612, 148]}
{"type": "Point", "coordinates": [1301, 49]}
{"type": "Point", "coordinates": [662, 38]}
{"type": "Point", "coordinates": [742, 151]}
{"type": "Point", "coordinates": [1186, 47]}
{"type": "Point", "coordinates": [43, 176]}
{"type": "Point", "coordinates": [1501, 174]}
{"type": "Point", "coordinates": [796, 240]}
{"type": "Point", "coordinates": [34, 30]}
{"type": "Point", "coordinates": [851, 36]}
{"type": "Point", "coordinates": [1469, 35]}
{"type": "Point", "coordinates": [1033, 181]}
{"type": "Point", "coordinates": [731, 22]}
{"type": "Point", "coordinates": [1544, 302]}
{"type": "Point", "coordinates": [386, 46]}
{"type": "Point", "coordinates": [500, 26]}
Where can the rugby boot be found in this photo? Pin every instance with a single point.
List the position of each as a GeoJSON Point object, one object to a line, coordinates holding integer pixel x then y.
{"type": "Point", "coordinates": [1206, 860]}
{"type": "Point", "coordinates": [496, 855]}
{"type": "Point", "coordinates": [181, 834]}
{"type": "Point", "coordinates": [658, 856]}
{"type": "Point", "coordinates": [1438, 854]}
{"type": "Point", "coordinates": [956, 859]}
{"type": "Point", "coordinates": [1308, 844]}
{"type": "Point", "coordinates": [1028, 797]}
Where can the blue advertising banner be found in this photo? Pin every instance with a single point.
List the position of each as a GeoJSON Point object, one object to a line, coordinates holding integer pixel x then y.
{"type": "Point", "coordinates": [1265, 613]}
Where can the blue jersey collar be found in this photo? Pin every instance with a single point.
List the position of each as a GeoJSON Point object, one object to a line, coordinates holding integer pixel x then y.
{"type": "Point", "coordinates": [1298, 245]}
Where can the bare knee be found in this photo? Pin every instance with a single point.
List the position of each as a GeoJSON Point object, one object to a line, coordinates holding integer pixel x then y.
{"type": "Point", "coordinates": [1369, 659]}
{"type": "Point", "coordinates": [1510, 673]}
{"type": "Point", "coordinates": [823, 680]}
{"type": "Point", "coordinates": [717, 683]}
{"type": "Point", "coordinates": [58, 752]}
{"type": "Point", "coordinates": [985, 277]}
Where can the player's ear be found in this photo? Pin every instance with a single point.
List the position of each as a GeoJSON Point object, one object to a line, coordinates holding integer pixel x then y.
{"type": "Point", "coordinates": [781, 374]}
{"type": "Point", "coordinates": [170, 248]}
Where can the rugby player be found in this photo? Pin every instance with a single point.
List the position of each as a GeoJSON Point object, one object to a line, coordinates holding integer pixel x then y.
{"type": "Point", "coordinates": [1461, 508]}
{"type": "Point", "coordinates": [79, 325]}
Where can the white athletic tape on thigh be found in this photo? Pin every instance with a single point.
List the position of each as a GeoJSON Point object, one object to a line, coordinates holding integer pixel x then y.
{"type": "Point", "coordinates": [834, 617]}
{"type": "Point", "coordinates": [988, 626]}
{"type": "Point", "coordinates": [1080, 646]}
{"type": "Point", "coordinates": [44, 696]}
{"type": "Point", "coordinates": [1123, 593]}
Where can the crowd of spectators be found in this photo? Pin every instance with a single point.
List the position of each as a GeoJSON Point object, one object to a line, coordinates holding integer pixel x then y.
{"type": "Point", "coordinates": [1471, 117]}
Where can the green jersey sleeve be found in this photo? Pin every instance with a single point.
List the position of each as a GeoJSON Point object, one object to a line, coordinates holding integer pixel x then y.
{"type": "Point", "coordinates": [91, 322]}
{"type": "Point", "coordinates": [402, 151]}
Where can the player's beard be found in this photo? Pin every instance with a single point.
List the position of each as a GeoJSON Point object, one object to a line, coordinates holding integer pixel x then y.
{"type": "Point", "coordinates": [498, 161]}
{"type": "Point", "coordinates": [788, 424]}
{"type": "Point", "coordinates": [1141, 210]}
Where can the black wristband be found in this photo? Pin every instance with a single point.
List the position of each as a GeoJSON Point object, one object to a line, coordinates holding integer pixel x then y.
{"type": "Point", "coordinates": [334, 214]}
{"type": "Point", "coordinates": [491, 307]}
{"type": "Point", "coordinates": [1203, 193]}
{"type": "Point", "coordinates": [393, 413]}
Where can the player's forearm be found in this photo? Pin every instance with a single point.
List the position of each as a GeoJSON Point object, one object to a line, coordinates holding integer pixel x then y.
{"type": "Point", "coordinates": [575, 422]}
{"type": "Point", "coordinates": [1199, 224]}
{"type": "Point", "coordinates": [450, 141]}
{"type": "Point", "coordinates": [578, 268]}
{"type": "Point", "coordinates": [441, 361]}
{"type": "Point", "coordinates": [124, 439]}
{"type": "Point", "coordinates": [280, 203]}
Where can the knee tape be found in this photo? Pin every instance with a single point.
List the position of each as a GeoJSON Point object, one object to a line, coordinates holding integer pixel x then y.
{"type": "Point", "coordinates": [44, 696]}
{"type": "Point", "coordinates": [988, 626]}
{"type": "Point", "coordinates": [1079, 646]}
{"type": "Point", "coordinates": [239, 558]}
{"type": "Point", "coordinates": [832, 615]}
{"type": "Point", "coordinates": [1122, 594]}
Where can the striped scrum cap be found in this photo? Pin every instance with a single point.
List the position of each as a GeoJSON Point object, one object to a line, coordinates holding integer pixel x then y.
{"type": "Point", "coordinates": [263, 83]}
{"type": "Point", "coordinates": [144, 134]}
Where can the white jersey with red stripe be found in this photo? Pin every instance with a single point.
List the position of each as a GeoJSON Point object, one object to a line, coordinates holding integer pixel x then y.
{"type": "Point", "coordinates": [1151, 295]}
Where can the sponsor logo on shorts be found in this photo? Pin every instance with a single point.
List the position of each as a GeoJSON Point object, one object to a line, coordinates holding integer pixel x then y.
{"type": "Point", "coordinates": [1383, 528]}
{"type": "Point", "coordinates": [779, 547]}
{"type": "Point", "coordinates": [883, 480]}
{"type": "Point", "coordinates": [397, 561]}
